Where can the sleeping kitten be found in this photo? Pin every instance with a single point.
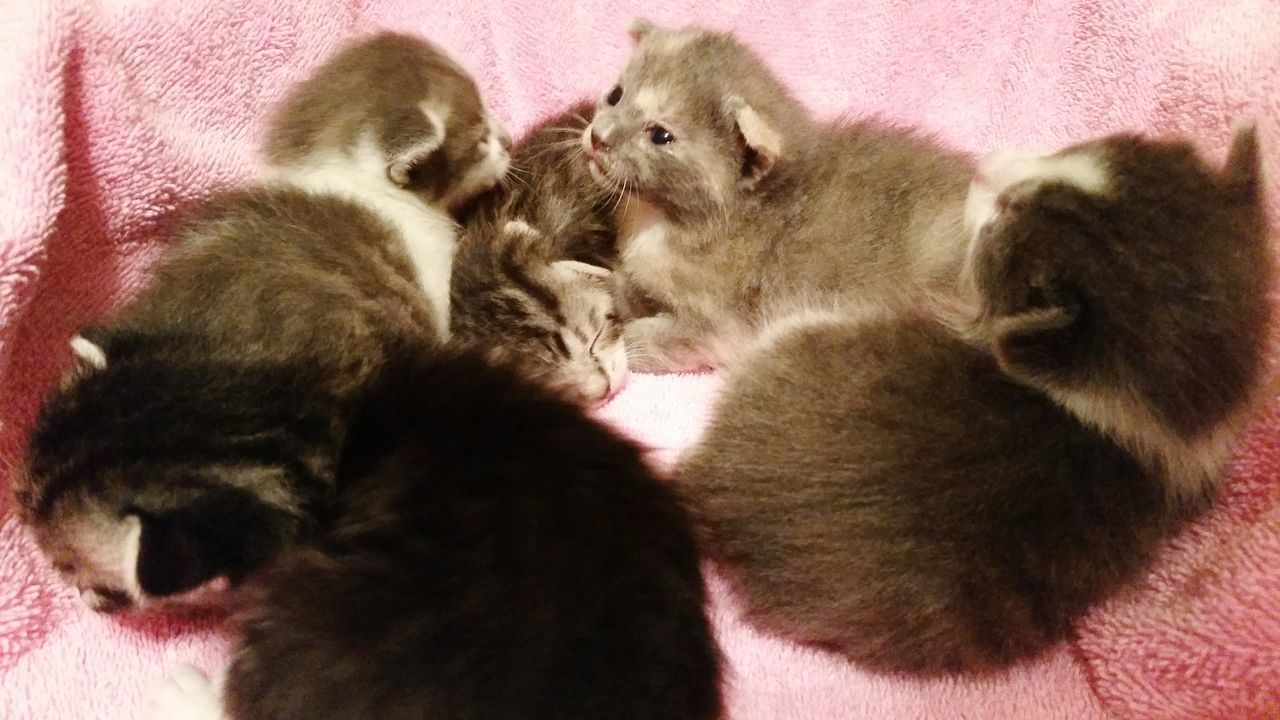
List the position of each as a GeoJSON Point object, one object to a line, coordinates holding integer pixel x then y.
{"type": "Point", "coordinates": [547, 575]}
{"type": "Point", "coordinates": [743, 208]}
{"type": "Point", "coordinates": [530, 283]}
{"type": "Point", "coordinates": [931, 502]}
{"type": "Point", "coordinates": [344, 252]}
{"type": "Point", "coordinates": [175, 468]}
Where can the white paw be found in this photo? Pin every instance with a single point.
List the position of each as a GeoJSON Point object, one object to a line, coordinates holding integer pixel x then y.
{"type": "Point", "coordinates": [184, 693]}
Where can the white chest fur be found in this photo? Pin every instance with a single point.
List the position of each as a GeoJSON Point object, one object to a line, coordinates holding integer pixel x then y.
{"type": "Point", "coordinates": [429, 234]}
{"type": "Point", "coordinates": [647, 256]}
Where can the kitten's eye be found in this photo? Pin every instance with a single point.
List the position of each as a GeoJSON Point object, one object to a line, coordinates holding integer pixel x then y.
{"type": "Point", "coordinates": [660, 135]}
{"type": "Point", "coordinates": [614, 95]}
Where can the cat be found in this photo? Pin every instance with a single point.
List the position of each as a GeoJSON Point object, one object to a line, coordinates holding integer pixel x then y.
{"type": "Point", "coordinates": [339, 252]}
{"type": "Point", "coordinates": [531, 282]}
{"type": "Point", "coordinates": [935, 492]}
{"type": "Point", "coordinates": [742, 208]}
{"type": "Point", "coordinates": [177, 471]}
{"type": "Point", "coordinates": [497, 555]}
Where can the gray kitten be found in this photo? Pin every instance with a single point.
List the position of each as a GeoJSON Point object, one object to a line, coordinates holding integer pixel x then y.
{"type": "Point", "coordinates": [931, 501]}
{"type": "Point", "coordinates": [345, 252]}
{"type": "Point", "coordinates": [531, 279]}
{"type": "Point", "coordinates": [744, 208]}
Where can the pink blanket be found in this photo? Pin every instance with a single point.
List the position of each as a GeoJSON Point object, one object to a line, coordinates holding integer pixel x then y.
{"type": "Point", "coordinates": [116, 110]}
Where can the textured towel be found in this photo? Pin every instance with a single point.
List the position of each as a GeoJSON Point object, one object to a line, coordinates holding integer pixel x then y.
{"type": "Point", "coordinates": [118, 110]}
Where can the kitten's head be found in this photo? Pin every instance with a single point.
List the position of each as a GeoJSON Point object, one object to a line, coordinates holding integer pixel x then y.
{"type": "Point", "coordinates": [694, 122]}
{"type": "Point", "coordinates": [552, 318]}
{"type": "Point", "coordinates": [1128, 279]}
{"type": "Point", "coordinates": [154, 474]}
{"type": "Point", "coordinates": [399, 109]}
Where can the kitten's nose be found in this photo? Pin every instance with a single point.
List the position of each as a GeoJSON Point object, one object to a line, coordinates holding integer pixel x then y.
{"type": "Point", "coordinates": [597, 143]}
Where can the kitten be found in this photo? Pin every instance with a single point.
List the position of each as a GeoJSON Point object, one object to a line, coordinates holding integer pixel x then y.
{"type": "Point", "coordinates": [395, 125]}
{"type": "Point", "coordinates": [929, 501]}
{"type": "Point", "coordinates": [164, 468]}
{"type": "Point", "coordinates": [530, 282]}
{"type": "Point", "coordinates": [545, 574]}
{"type": "Point", "coordinates": [325, 265]}
{"type": "Point", "coordinates": [743, 208]}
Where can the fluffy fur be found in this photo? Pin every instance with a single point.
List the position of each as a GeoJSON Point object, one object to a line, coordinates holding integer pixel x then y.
{"type": "Point", "coordinates": [344, 251]}
{"type": "Point", "coordinates": [929, 501]}
{"type": "Point", "coordinates": [545, 576]}
{"type": "Point", "coordinates": [530, 283]}
{"type": "Point", "coordinates": [176, 468]}
{"type": "Point", "coordinates": [743, 208]}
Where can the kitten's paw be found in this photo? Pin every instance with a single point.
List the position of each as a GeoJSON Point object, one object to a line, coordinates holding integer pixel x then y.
{"type": "Point", "coordinates": [184, 693]}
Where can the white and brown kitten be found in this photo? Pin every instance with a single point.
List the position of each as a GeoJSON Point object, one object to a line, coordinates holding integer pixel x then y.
{"type": "Point", "coordinates": [346, 251]}
{"type": "Point", "coordinates": [531, 281]}
{"type": "Point", "coordinates": [928, 500]}
{"type": "Point", "coordinates": [743, 208]}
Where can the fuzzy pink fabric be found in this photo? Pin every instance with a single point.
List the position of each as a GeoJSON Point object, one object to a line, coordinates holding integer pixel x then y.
{"type": "Point", "coordinates": [117, 110]}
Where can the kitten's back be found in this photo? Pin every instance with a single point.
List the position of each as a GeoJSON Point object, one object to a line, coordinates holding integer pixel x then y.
{"type": "Point", "coordinates": [499, 556]}
{"type": "Point", "coordinates": [883, 490]}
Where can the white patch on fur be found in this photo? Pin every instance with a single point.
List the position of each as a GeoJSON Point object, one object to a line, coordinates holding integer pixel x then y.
{"type": "Point", "coordinates": [520, 227]}
{"type": "Point", "coordinates": [642, 236]}
{"type": "Point", "coordinates": [484, 174]}
{"type": "Point", "coordinates": [1191, 466]}
{"type": "Point", "coordinates": [89, 352]}
{"type": "Point", "coordinates": [429, 234]}
{"type": "Point", "coordinates": [649, 101]}
{"type": "Point", "coordinates": [1002, 169]}
{"type": "Point", "coordinates": [184, 693]}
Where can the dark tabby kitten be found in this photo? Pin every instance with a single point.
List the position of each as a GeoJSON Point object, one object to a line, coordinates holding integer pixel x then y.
{"type": "Point", "coordinates": [547, 576]}
{"type": "Point", "coordinates": [325, 266]}
{"type": "Point", "coordinates": [929, 501]}
{"type": "Point", "coordinates": [742, 208]}
{"type": "Point", "coordinates": [530, 282]}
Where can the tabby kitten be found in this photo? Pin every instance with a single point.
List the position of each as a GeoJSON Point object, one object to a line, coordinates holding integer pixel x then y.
{"type": "Point", "coordinates": [931, 501]}
{"type": "Point", "coordinates": [545, 576]}
{"type": "Point", "coordinates": [344, 251]}
{"type": "Point", "coordinates": [742, 208]}
{"type": "Point", "coordinates": [530, 282]}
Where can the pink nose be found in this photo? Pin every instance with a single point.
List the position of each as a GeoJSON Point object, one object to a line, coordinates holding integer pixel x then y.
{"type": "Point", "coordinates": [597, 143]}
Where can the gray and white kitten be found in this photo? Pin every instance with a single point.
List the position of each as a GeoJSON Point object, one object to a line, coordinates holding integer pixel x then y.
{"type": "Point", "coordinates": [531, 283]}
{"type": "Point", "coordinates": [744, 208]}
{"type": "Point", "coordinates": [930, 501]}
{"type": "Point", "coordinates": [345, 252]}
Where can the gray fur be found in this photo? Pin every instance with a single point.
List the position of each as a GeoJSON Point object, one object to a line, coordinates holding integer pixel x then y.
{"type": "Point", "coordinates": [928, 501]}
{"type": "Point", "coordinates": [756, 209]}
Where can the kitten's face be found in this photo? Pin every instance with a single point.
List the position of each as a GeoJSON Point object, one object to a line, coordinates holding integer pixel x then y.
{"type": "Point", "coordinates": [557, 323]}
{"type": "Point", "coordinates": [155, 477]}
{"type": "Point", "coordinates": [671, 131]}
{"type": "Point", "coordinates": [1125, 266]}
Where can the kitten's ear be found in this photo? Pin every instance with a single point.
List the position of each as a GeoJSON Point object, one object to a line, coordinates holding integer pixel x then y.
{"type": "Point", "coordinates": [430, 138]}
{"type": "Point", "coordinates": [761, 143]}
{"type": "Point", "coordinates": [1243, 170]}
{"type": "Point", "coordinates": [224, 531]}
{"type": "Point", "coordinates": [639, 28]}
{"type": "Point", "coordinates": [594, 272]}
{"type": "Point", "coordinates": [1036, 342]}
